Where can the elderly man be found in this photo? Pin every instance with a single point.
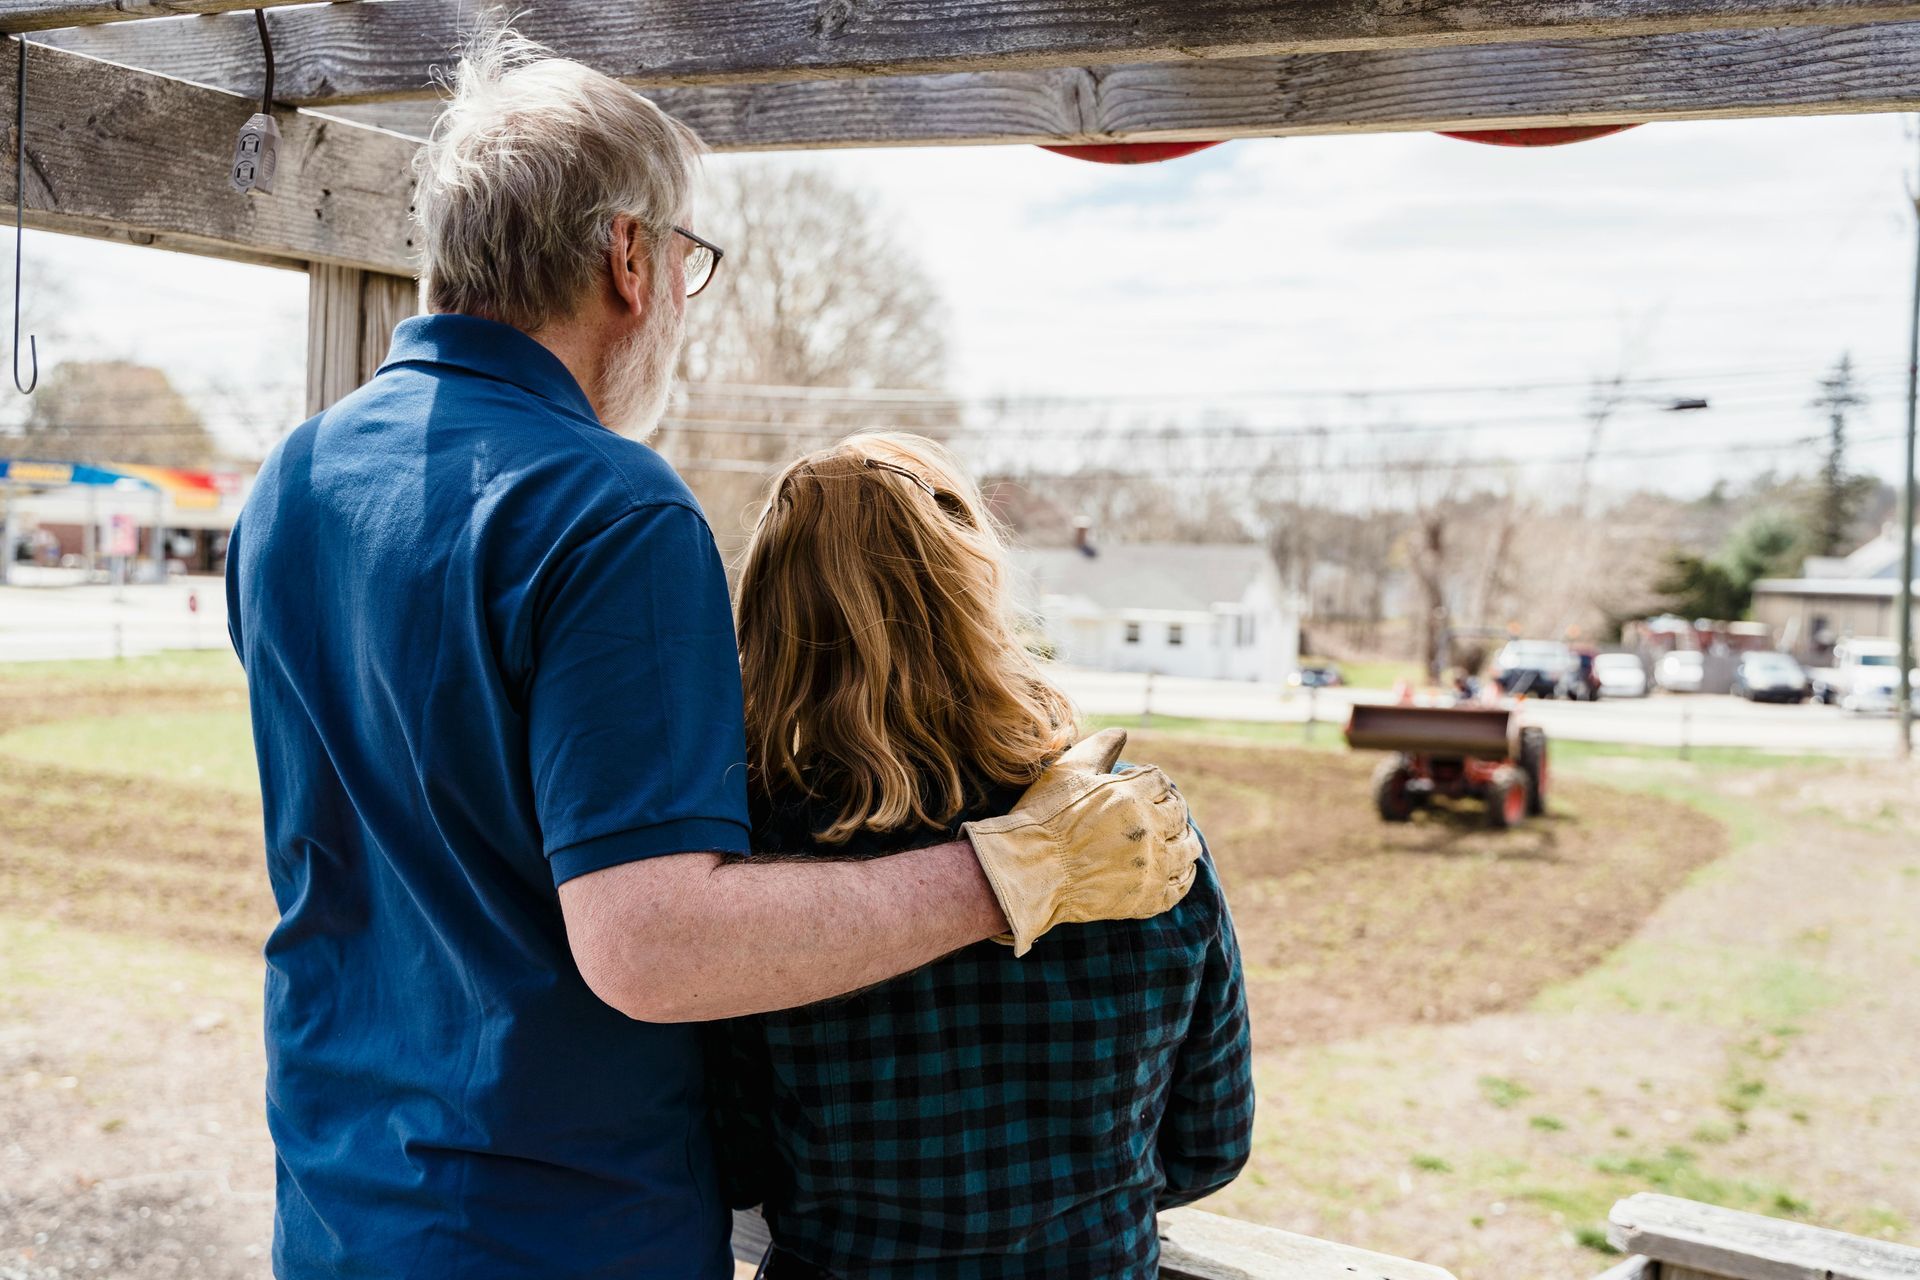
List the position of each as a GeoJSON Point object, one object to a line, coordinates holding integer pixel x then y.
{"type": "Point", "coordinates": [496, 705]}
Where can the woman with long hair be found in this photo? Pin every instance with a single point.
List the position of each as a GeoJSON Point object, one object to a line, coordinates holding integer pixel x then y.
{"type": "Point", "coordinates": [991, 1115]}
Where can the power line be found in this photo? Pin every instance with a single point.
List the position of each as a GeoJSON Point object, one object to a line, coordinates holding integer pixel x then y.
{"type": "Point", "coordinates": [861, 395]}
{"type": "Point", "coordinates": [753, 466]}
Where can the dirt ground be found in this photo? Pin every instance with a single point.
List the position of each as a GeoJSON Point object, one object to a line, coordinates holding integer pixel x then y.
{"type": "Point", "coordinates": [1348, 924]}
{"type": "Point", "coordinates": [1469, 1042]}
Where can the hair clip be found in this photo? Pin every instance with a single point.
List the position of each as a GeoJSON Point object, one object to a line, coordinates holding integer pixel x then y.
{"type": "Point", "coordinates": [876, 464]}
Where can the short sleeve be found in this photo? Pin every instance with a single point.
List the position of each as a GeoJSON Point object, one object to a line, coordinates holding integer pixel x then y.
{"type": "Point", "coordinates": [634, 723]}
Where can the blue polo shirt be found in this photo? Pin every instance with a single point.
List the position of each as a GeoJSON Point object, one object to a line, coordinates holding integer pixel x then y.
{"type": "Point", "coordinates": [488, 649]}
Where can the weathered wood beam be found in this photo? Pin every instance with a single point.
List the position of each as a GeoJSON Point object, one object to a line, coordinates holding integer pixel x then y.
{"type": "Point", "coordinates": [384, 49]}
{"type": "Point", "coordinates": [118, 154]}
{"type": "Point", "coordinates": [350, 319]}
{"type": "Point", "coordinates": [40, 15]}
{"type": "Point", "coordinates": [1195, 1245]}
{"type": "Point", "coordinates": [1684, 1236]}
{"type": "Point", "coordinates": [1785, 71]}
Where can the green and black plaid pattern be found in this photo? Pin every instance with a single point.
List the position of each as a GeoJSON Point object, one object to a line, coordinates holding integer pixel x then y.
{"type": "Point", "coordinates": [987, 1118]}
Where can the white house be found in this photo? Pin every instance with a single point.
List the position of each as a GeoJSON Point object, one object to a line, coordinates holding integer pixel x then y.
{"type": "Point", "coordinates": [1836, 597]}
{"type": "Point", "coordinates": [1217, 610]}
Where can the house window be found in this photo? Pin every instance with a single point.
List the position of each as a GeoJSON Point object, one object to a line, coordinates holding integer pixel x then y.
{"type": "Point", "coordinates": [1133, 633]}
{"type": "Point", "coordinates": [1174, 635]}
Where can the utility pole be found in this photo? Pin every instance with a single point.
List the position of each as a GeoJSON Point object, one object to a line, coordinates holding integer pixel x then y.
{"type": "Point", "coordinates": [1903, 598]}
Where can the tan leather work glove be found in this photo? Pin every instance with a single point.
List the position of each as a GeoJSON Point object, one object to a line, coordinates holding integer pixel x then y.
{"type": "Point", "coordinates": [1086, 844]}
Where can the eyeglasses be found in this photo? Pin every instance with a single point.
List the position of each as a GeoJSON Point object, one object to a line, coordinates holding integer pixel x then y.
{"type": "Point", "coordinates": [701, 261]}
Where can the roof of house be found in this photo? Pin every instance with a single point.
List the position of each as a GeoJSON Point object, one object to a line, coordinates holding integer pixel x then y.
{"type": "Point", "coordinates": [1859, 588]}
{"type": "Point", "coordinates": [1878, 557]}
{"type": "Point", "coordinates": [1871, 570]}
{"type": "Point", "coordinates": [1160, 576]}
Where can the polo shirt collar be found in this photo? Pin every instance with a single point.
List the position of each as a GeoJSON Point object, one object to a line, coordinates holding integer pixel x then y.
{"type": "Point", "coordinates": [491, 349]}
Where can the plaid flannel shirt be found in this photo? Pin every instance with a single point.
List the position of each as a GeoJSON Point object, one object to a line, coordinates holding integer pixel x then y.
{"type": "Point", "coordinates": [993, 1118]}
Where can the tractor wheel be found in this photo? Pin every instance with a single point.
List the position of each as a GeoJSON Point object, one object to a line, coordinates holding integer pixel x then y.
{"type": "Point", "coordinates": [1506, 798]}
{"type": "Point", "coordinates": [1390, 794]}
{"type": "Point", "coordinates": [1533, 763]}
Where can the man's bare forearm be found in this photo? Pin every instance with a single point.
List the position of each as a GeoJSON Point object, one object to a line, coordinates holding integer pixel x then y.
{"type": "Point", "coordinates": [688, 938]}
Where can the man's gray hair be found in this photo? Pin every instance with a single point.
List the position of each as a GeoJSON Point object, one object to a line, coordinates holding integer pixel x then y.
{"type": "Point", "coordinates": [524, 174]}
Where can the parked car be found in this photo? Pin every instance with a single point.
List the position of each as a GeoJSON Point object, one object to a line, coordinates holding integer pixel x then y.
{"type": "Point", "coordinates": [1536, 667]}
{"type": "Point", "coordinates": [1865, 676]}
{"type": "Point", "coordinates": [1765, 676]}
{"type": "Point", "coordinates": [1621, 675]}
{"type": "Point", "coordinates": [1319, 675]}
{"type": "Point", "coordinates": [1682, 671]}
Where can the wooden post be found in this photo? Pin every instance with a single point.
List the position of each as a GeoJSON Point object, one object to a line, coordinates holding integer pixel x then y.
{"type": "Point", "coordinates": [350, 319]}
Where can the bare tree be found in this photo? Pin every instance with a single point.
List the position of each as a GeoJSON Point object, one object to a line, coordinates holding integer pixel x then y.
{"type": "Point", "coordinates": [814, 294]}
{"type": "Point", "coordinates": [111, 411]}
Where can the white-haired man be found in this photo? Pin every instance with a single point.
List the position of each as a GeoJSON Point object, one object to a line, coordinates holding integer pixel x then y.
{"type": "Point", "coordinates": [496, 705]}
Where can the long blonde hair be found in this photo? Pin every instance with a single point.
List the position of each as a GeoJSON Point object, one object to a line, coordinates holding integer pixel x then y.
{"type": "Point", "coordinates": [876, 647]}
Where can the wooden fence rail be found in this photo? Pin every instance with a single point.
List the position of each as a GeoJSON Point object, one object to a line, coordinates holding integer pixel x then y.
{"type": "Point", "coordinates": [1668, 1238]}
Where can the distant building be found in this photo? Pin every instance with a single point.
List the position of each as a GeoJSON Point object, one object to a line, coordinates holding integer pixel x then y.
{"type": "Point", "coordinates": [1835, 598]}
{"type": "Point", "coordinates": [81, 514]}
{"type": "Point", "coordinates": [1210, 609]}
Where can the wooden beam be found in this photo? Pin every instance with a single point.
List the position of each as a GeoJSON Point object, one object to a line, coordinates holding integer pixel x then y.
{"type": "Point", "coordinates": [125, 155]}
{"type": "Point", "coordinates": [384, 49]}
{"type": "Point", "coordinates": [1684, 1235]}
{"type": "Point", "coordinates": [1195, 1245]}
{"type": "Point", "coordinates": [1788, 71]}
{"type": "Point", "coordinates": [350, 319]}
{"type": "Point", "coordinates": [39, 15]}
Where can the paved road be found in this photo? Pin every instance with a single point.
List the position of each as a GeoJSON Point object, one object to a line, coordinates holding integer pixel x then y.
{"type": "Point", "coordinates": [1663, 720]}
{"type": "Point", "coordinates": [54, 619]}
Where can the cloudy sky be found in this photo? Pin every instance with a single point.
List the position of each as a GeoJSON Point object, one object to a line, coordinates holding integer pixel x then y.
{"type": "Point", "coordinates": [1451, 297]}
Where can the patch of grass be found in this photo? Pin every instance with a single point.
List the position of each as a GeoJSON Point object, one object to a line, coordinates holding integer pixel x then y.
{"type": "Point", "coordinates": [1376, 675]}
{"type": "Point", "coordinates": [42, 958]}
{"type": "Point", "coordinates": [1573, 751]}
{"type": "Point", "coordinates": [1430, 1164]}
{"type": "Point", "coordinates": [1716, 985]}
{"type": "Point", "coordinates": [1677, 1172]}
{"type": "Point", "coordinates": [1594, 1238]}
{"type": "Point", "coordinates": [1715, 1132]}
{"type": "Point", "coordinates": [1548, 1124]}
{"type": "Point", "coordinates": [1502, 1092]}
{"type": "Point", "coordinates": [1569, 753]}
{"type": "Point", "coordinates": [174, 667]}
{"type": "Point", "coordinates": [1878, 1220]}
{"type": "Point", "coordinates": [1742, 1093]}
{"type": "Point", "coordinates": [199, 748]}
{"type": "Point", "coordinates": [1321, 736]}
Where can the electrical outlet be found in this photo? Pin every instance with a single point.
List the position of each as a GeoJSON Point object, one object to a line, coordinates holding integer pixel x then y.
{"type": "Point", "coordinates": [256, 154]}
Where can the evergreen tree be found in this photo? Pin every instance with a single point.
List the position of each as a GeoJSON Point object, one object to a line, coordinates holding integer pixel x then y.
{"type": "Point", "coordinates": [1840, 494]}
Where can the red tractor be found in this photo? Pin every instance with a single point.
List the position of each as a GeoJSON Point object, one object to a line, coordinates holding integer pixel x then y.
{"type": "Point", "coordinates": [1457, 752]}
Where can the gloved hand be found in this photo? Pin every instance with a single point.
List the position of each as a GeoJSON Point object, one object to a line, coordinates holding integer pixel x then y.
{"type": "Point", "coordinates": [1085, 844]}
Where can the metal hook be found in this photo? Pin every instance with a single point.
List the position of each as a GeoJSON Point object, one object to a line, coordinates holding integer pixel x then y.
{"type": "Point", "coordinates": [19, 222]}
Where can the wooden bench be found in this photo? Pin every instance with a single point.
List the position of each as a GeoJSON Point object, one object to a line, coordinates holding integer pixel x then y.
{"type": "Point", "coordinates": [1674, 1239]}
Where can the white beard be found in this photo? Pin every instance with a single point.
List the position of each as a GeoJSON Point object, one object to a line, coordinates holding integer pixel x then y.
{"type": "Point", "coordinates": [638, 378]}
